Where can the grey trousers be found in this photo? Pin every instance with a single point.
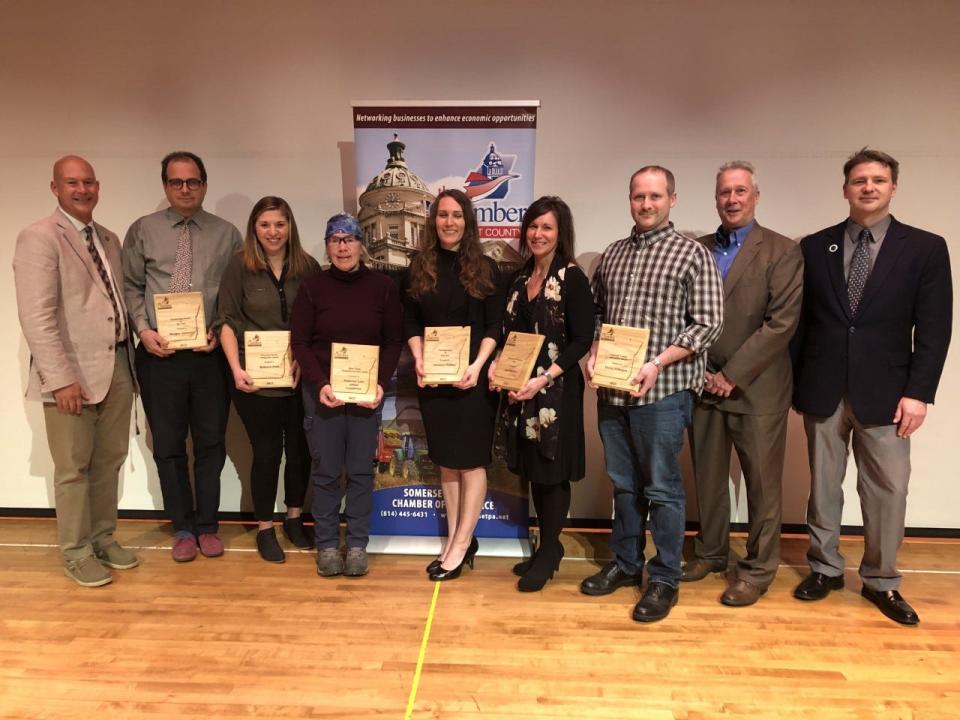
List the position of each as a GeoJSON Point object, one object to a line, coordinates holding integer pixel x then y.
{"type": "Point", "coordinates": [340, 439]}
{"type": "Point", "coordinates": [88, 451]}
{"type": "Point", "coordinates": [883, 472]}
{"type": "Point", "coordinates": [760, 442]}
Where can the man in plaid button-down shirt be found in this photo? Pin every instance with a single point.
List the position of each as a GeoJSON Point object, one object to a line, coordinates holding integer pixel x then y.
{"type": "Point", "coordinates": [658, 279]}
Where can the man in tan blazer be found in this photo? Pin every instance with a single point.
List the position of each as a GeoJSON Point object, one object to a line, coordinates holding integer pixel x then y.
{"type": "Point", "coordinates": [748, 387]}
{"type": "Point", "coordinates": [69, 281]}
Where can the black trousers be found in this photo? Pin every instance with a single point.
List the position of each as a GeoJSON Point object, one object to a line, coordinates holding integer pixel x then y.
{"type": "Point", "coordinates": [187, 392]}
{"type": "Point", "coordinates": [274, 426]}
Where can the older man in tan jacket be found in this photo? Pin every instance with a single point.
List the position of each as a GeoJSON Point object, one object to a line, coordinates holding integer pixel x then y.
{"type": "Point", "coordinates": [69, 283]}
{"type": "Point", "coordinates": [747, 388]}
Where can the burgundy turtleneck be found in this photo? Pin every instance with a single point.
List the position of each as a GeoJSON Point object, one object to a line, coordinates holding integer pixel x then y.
{"type": "Point", "coordinates": [361, 307]}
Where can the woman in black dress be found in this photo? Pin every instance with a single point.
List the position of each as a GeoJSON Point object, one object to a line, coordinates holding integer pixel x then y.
{"type": "Point", "coordinates": [550, 296]}
{"type": "Point", "coordinates": [451, 282]}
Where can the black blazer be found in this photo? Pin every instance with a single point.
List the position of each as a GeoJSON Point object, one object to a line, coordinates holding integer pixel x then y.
{"type": "Point", "coordinates": [897, 343]}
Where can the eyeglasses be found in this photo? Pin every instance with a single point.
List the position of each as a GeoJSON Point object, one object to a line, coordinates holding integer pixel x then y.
{"type": "Point", "coordinates": [343, 240]}
{"type": "Point", "coordinates": [178, 183]}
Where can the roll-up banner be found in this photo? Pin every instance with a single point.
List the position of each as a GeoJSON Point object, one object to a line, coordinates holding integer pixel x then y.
{"type": "Point", "coordinates": [406, 153]}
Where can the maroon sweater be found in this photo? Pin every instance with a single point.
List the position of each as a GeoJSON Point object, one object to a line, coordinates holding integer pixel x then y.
{"type": "Point", "coordinates": [361, 307]}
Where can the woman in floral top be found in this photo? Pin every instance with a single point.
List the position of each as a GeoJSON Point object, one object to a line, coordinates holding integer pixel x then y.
{"type": "Point", "coordinates": [549, 296]}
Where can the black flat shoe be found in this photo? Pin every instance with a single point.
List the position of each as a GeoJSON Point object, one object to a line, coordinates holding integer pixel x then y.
{"type": "Point", "coordinates": [296, 533]}
{"type": "Point", "coordinates": [268, 546]}
{"type": "Point", "coordinates": [816, 586]}
{"type": "Point", "coordinates": [610, 577]}
{"type": "Point", "coordinates": [892, 604]}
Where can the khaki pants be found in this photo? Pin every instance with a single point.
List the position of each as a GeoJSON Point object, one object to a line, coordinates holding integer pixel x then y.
{"type": "Point", "coordinates": [88, 451]}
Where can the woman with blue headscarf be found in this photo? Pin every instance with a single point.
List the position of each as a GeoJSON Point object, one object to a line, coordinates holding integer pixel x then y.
{"type": "Point", "coordinates": [346, 303]}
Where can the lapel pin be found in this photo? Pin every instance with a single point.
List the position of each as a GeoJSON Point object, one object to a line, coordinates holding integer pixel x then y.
{"type": "Point", "coordinates": [833, 248]}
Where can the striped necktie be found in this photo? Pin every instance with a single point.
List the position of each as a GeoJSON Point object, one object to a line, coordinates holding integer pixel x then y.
{"type": "Point", "coordinates": [102, 271]}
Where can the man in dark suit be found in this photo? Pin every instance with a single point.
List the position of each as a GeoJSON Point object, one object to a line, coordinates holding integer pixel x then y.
{"type": "Point", "coordinates": [748, 388]}
{"type": "Point", "coordinates": [868, 354]}
{"type": "Point", "coordinates": [70, 301]}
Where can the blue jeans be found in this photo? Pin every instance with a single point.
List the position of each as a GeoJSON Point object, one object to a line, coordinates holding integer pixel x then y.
{"type": "Point", "coordinates": [641, 446]}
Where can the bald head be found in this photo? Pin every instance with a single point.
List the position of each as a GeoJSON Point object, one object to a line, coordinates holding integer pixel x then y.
{"type": "Point", "coordinates": [76, 187]}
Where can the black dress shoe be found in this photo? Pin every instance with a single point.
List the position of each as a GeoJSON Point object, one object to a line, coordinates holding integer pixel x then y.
{"type": "Point", "coordinates": [656, 602]}
{"type": "Point", "coordinates": [698, 569]}
{"type": "Point", "coordinates": [610, 577]}
{"type": "Point", "coordinates": [892, 605]}
{"type": "Point", "coordinates": [816, 586]}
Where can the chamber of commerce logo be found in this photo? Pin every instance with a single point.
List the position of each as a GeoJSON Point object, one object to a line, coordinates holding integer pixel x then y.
{"type": "Point", "coordinates": [491, 181]}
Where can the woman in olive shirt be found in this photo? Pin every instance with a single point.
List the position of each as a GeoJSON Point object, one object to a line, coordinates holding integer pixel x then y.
{"type": "Point", "coordinates": [257, 292]}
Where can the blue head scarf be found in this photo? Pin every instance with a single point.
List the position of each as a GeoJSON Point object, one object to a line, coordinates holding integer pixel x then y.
{"type": "Point", "coordinates": [343, 223]}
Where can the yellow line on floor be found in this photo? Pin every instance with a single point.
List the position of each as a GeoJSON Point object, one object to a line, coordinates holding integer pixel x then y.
{"type": "Point", "coordinates": [423, 652]}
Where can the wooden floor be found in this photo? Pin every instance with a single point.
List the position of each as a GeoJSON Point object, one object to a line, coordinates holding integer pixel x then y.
{"type": "Point", "coordinates": [235, 637]}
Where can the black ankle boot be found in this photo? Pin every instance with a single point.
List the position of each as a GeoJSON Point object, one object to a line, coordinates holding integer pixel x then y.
{"type": "Point", "coordinates": [296, 533]}
{"type": "Point", "coordinates": [268, 547]}
{"type": "Point", "coordinates": [544, 564]}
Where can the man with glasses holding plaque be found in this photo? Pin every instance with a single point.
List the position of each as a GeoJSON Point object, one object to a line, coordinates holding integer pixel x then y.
{"type": "Point", "coordinates": [182, 249]}
{"type": "Point", "coordinates": [660, 280]}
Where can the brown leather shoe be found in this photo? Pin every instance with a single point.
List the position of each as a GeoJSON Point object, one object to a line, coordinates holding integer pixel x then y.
{"type": "Point", "coordinates": [741, 593]}
{"type": "Point", "coordinates": [698, 569]}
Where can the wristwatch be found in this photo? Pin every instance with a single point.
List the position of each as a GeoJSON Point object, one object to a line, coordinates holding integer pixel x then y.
{"type": "Point", "coordinates": [549, 378]}
{"type": "Point", "coordinates": [656, 362]}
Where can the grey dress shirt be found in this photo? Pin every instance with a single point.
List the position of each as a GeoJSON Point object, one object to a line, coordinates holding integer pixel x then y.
{"type": "Point", "coordinates": [149, 256]}
{"type": "Point", "coordinates": [852, 235]}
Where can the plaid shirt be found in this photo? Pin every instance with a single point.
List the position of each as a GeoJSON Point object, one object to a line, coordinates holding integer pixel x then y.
{"type": "Point", "coordinates": [666, 282]}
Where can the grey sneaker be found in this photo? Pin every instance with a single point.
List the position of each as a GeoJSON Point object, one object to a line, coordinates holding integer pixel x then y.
{"type": "Point", "coordinates": [329, 562]}
{"type": "Point", "coordinates": [87, 572]}
{"type": "Point", "coordinates": [355, 564]}
{"type": "Point", "coordinates": [117, 557]}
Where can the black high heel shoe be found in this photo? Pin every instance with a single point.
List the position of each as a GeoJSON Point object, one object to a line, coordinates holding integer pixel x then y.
{"type": "Point", "coordinates": [452, 574]}
{"type": "Point", "coordinates": [542, 569]}
{"type": "Point", "coordinates": [436, 564]}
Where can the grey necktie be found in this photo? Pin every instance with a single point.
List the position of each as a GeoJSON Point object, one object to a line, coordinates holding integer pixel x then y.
{"type": "Point", "coordinates": [183, 264]}
{"type": "Point", "coordinates": [859, 270]}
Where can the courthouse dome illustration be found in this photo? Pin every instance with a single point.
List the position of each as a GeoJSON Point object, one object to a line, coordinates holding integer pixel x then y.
{"type": "Point", "coordinates": [393, 211]}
